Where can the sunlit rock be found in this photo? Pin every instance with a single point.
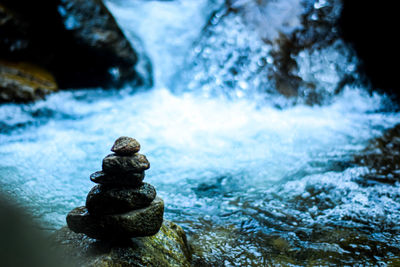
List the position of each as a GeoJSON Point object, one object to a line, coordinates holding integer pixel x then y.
{"type": "Point", "coordinates": [24, 82]}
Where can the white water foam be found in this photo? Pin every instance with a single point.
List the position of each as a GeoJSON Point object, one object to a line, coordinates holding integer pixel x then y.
{"type": "Point", "coordinates": [188, 140]}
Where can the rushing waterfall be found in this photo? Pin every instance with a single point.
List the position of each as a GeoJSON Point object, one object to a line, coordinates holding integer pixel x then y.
{"type": "Point", "coordinates": [248, 172]}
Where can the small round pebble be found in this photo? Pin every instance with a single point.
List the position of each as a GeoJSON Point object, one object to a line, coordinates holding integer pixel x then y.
{"type": "Point", "coordinates": [125, 145]}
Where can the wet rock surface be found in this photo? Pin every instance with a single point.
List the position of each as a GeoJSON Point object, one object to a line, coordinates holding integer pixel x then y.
{"type": "Point", "coordinates": [168, 247]}
{"type": "Point", "coordinates": [125, 146]}
{"type": "Point", "coordinates": [115, 164]}
{"type": "Point", "coordinates": [140, 222]}
{"type": "Point", "coordinates": [115, 212]}
{"type": "Point", "coordinates": [129, 179]}
{"type": "Point", "coordinates": [111, 200]}
{"type": "Point", "coordinates": [93, 26]}
{"type": "Point", "coordinates": [276, 54]}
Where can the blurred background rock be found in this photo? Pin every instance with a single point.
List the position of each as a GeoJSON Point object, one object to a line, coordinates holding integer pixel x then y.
{"type": "Point", "coordinates": [22, 243]}
{"type": "Point", "coordinates": [75, 43]}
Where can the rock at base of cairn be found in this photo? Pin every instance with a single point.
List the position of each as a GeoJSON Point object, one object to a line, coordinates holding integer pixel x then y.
{"type": "Point", "coordinates": [141, 222]}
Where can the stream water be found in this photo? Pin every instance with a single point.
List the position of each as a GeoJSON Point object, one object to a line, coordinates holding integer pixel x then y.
{"type": "Point", "coordinates": [253, 178]}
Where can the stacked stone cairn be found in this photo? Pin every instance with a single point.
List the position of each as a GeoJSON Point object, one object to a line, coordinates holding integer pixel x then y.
{"type": "Point", "coordinates": [121, 206]}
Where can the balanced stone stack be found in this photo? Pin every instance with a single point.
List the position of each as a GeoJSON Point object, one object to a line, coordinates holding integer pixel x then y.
{"type": "Point", "coordinates": [121, 206]}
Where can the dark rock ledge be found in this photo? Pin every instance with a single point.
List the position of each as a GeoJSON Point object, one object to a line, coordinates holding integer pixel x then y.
{"type": "Point", "coordinates": [76, 43]}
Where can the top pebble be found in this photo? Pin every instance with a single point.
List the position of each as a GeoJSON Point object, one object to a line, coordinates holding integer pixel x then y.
{"type": "Point", "coordinates": [125, 145]}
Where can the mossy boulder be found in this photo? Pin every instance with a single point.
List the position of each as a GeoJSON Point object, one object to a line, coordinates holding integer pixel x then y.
{"type": "Point", "coordinates": [168, 247]}
{"type": "Point", "coordinates": [23, 82]}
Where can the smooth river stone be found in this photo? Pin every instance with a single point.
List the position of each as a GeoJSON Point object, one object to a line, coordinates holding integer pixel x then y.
{"type": "Point", "coordinates": [114, 164]}
{"type": "Point", "coordinates": [129, 179]}
{"type": "Point", "coordinates": [141, 222]}
{"type": "Point", "coordinates": [125, 145]}
{"type": "Point", "coordinates": [104, 199]}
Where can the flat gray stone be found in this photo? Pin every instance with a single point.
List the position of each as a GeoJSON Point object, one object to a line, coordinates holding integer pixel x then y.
{"type": "Point", "coordinates": [114, 164]}
{"type": "Point", "coordinates": [104, 199]}
{"type": "Point", "coordinates": [142, 222]}
{"type": "Point", "coordinates": [125, 179]}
